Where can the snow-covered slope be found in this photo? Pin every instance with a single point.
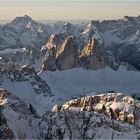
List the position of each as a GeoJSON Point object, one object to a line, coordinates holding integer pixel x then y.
{"type": "Point", "coordinates": [76, 82]}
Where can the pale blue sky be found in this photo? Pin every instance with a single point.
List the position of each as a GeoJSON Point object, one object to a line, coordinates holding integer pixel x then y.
{"type": "Point", "coordinates": [69, 9]}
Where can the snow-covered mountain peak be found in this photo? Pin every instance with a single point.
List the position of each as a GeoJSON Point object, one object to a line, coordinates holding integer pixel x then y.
{"type": "Point", "coordinates": [26, 22]}
{"type": "Point", "coordinates": [27, 17]}
{"type": "Point", "coordinates": [23, 21]}
{"type": "Point", "coordinates": [127, 26]}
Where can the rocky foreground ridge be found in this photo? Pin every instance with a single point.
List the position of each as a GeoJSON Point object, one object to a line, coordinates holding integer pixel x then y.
{"type": "Point", "coordinates": [26, 74]}
{"type": "Point", "coordinates": [110, 115]}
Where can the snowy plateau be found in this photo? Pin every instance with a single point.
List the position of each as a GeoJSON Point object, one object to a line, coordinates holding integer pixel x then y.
{"type": "Point", "coordinates": [70, 81]}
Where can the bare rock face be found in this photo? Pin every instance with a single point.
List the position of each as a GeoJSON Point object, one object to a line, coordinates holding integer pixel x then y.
{"type": "Point", "coordinates": [49, 63]}
{"type": "Point", "coordinates": [61, 54]}
{"type": "Point", "coordinates": [67, 54]}
{"type": "Point", "coordinates": [54, 42]}
{"type": "Point", "coordinates": [92, 56]}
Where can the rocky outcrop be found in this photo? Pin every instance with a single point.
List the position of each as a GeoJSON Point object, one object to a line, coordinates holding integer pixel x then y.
{"type": "Point", "coordinates": [126, 52]}
{"type": "Point", "coordinates": [106, 116]}
{"type": "Point", "coordinates": [49, 62]}
{"type": "Point", "coordinates": [61, 57]}
{"type": "Point", "coordinates": [129, 54]}
{"type": "Point", "coordinates": [53, 43]}
{"type": "Point", "coordinates": [27, 74]}
{"type": "Point", "coordinates": [92, 55]}
{"type": "Point", "coordinates": [116, 106]}
{"type": "Point", "coordinates": [67, 54]}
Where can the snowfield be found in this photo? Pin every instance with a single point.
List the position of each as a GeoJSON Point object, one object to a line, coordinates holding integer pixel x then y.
{"type": "Point", "coordinates": [75, 82]}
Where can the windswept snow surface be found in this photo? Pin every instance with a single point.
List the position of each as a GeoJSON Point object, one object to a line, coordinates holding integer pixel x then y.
{"type": "Point", "coordinates": [76, 82]}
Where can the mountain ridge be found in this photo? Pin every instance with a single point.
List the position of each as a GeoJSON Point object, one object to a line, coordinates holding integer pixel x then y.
{"type": "Point", "coordinates": [74, 115]}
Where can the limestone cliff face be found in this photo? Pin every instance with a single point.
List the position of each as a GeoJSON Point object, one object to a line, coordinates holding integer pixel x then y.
{"type": "Point", "coordinates": [92, 55]}
{"type": "Point", "coordinates": [115, 106]}
{"type": "Point", "coordinates": [106, 116]}
{"type": "Point", "coordinates": [63, 56]}
{"type": "Point", "coordinates": [67, 54]}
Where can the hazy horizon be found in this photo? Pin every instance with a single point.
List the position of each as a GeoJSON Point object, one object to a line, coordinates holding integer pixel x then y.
{"type": "Point", "coordinates": [68, 9]}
